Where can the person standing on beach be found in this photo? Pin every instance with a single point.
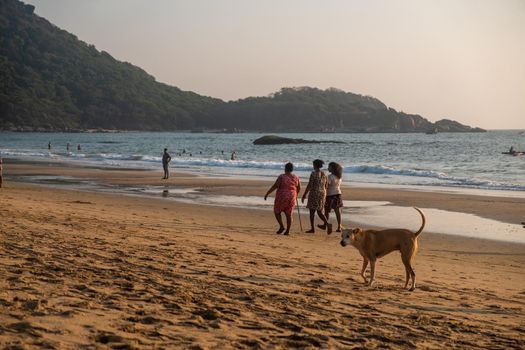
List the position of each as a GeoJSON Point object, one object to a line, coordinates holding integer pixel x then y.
{"type": "Point", "coordinates": [288, 187]}
{"type": "Point", "coordinates": [67, 147]}
{"type": "Point", "coordinates": [1, 177]}
{"type": "Point", "coordinates": [166, 159]}
{"type": "Point", "coordinates": [49, 146]}
{"type": "Point", "coordinates": [316, 192]}
{"type": "Point", "coordinates": [78, 147]}
{"type": "Point", "coordinates": [234, 155]}
{"type": "Point", "coordinates": [333, 194]}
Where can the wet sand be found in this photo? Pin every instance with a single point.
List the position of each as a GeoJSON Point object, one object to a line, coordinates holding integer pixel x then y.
{"type": "Point", "coordinates": [501, 208]}
{"type": "Point", "coordinates": [87, 270]}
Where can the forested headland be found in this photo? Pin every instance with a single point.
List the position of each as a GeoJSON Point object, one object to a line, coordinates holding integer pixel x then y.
{"type": "Point", "coordinates": [52, 81]}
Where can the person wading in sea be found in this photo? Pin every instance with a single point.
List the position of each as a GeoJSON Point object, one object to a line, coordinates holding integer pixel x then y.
{"type": "Point", "coordinates": [166, 159]}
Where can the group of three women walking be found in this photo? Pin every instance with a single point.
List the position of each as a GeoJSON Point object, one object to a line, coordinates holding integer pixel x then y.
{"type": "Point", "coordinates": [323, 192]}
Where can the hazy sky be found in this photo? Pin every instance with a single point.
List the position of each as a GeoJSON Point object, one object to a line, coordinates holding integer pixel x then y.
{"type": "Point", "coordinates": [461, 59]}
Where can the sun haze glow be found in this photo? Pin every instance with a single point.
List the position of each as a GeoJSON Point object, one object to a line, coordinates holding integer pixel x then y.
{"type": "Point", "coordinates": [459, 59]}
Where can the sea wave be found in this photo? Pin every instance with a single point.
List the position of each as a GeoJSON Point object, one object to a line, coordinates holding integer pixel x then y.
{"type": "Point", "coordinates": [117, 156]}
{"type": "Point", "coordinates": [433, 177]}
{"type": "Point", "coordinates": [383, 169]}
{"type": "Point", "coordinates": [443, 179]}
{"type": "Point", "coordinates": [236, 164]}
{"type": "Point", "coordinates": [11, 153]}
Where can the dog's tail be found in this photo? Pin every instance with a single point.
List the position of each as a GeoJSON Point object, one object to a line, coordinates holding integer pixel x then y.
{"type": "Point", "coordinates": [423, 224]}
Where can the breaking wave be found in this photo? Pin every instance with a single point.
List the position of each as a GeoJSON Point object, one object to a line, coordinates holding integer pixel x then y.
{"type": "Point", "coordinates": [434, 178]}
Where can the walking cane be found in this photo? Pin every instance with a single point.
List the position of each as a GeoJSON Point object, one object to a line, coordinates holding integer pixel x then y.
{"type": "Point", "coordinates": [299, 215]}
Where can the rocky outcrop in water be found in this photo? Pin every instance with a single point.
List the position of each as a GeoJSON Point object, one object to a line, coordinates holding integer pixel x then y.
{"type": "Point", "coordinates": [278, 140]}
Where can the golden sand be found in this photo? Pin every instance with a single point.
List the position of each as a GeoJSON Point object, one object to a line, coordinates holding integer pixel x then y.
{"type": "Point", "coordinates": [88, 270]}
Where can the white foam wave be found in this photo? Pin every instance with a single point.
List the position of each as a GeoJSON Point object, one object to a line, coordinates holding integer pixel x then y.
{"type": "Point", "coordinates": [436, 178]}
{"type": "Point", "coordinates": [235, 164]}
{"type": "Point", "coordinates": [382, 169]}
{"type": "Point", "coordinates": [446, 180]}
{"type": "Point", "coordinates": [11, 153]}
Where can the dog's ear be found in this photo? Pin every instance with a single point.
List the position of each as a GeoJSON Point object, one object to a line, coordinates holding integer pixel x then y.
{"type": "Point", "coordinates": [357, 230]}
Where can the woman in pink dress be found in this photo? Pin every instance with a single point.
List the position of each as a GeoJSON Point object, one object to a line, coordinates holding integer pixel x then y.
{"type": "Point", "coordinates": [287, 186]}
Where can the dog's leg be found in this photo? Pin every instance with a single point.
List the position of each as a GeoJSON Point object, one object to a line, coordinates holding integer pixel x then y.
{"type": "Point", "coordinates": [372, 271]}
{"type": "Point", "coordinates": [407, 278]}
{"type": "Point", "coordinates": [365, 264]}
{"type": "Point", "coordinates": [407, 261]}
{"type": "Point", "coordinates": [413, 274]}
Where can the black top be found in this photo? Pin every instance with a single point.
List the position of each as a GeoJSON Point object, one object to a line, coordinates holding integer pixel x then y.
{"type": "Point", "coordinates": [166, 158]}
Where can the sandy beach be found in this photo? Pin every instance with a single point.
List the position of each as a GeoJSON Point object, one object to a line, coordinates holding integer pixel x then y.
{"type": "Point", "coordinates": [82, 269]}
{"type": "Point", "coordinates": [412, 109]}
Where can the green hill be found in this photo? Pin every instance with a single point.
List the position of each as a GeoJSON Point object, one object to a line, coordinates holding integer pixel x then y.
{"type": "Point", "coordinates": [50, 80]}
{"type": "Point", "coordinates": [331, 110]}
{"type": "Point", "coordinates": [312, 109]}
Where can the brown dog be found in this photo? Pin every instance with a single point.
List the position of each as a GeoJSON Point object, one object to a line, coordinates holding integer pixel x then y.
{"type": "Point", "coordinates": [373, 244]}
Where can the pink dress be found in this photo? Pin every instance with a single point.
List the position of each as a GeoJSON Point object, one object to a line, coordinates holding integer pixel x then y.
{"type": "Point", "coordinates": [286, 195]}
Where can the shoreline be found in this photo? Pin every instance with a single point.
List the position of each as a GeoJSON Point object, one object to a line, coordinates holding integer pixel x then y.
{"type": "Point", "coordinates": [475, 216]}
{"type": "Point", "coordinates": [473, 201]}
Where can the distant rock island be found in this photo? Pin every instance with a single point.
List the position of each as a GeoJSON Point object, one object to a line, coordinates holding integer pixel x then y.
{"type": "Point", "coordinates": [278, 140]}
{"type": "Point", "coordinates": [55, 82]}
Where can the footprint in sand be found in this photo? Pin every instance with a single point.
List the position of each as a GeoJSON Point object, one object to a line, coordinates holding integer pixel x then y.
{"type": "Point", "coordinates": [26, 328]}
{"type": "Point", "coordinates": [116, 341]}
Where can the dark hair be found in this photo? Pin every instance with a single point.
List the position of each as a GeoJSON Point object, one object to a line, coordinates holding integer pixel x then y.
{"type": "Point", "coordinates": [288, 167]}
{"type": "Point", "coordinates": [165, 149]}
{"type": "Point", "coordinates": [336, 169]}
{"type": "Point", "coordinates": [318, 163]}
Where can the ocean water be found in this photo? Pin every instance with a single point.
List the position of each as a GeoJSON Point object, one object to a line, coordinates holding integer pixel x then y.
{"type": "Point", "coordinates": [449, 160]}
